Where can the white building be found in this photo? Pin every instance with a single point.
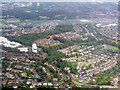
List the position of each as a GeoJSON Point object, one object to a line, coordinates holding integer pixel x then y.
{"type": "Point", "coordinates": [38, 4]}
{"type": "Point", "coordinates": [34, 48]}
{"type": "Point", "coordinates": [6, 43]}
{"type": "Point", "coordinates": [23, 49]}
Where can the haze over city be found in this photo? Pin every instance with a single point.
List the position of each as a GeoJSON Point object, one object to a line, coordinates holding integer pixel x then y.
{"type": "Point", "coordinates": [59, 45]}
{"type": "Point", "coordinates": [59, 0]}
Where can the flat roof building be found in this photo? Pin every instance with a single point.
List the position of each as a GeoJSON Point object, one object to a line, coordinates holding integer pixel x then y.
{"type": "Point", "coordinates": [34, 48]}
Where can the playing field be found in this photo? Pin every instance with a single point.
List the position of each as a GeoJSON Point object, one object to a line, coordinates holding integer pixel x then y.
{"type": "Point", "coordinates": [112, 48]}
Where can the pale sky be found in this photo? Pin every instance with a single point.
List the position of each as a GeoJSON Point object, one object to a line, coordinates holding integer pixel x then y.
{"type": "Point", "coordinates": [59, 0]}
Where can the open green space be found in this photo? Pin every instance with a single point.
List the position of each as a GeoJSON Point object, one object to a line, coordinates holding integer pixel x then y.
{"type": "Point", "coordinates": [27, 20]}
{"type": "Point", "coordinates": [13, 20]}
{"type": "Point", "coordinates": [2, 19]}
{"type": "Point", "coordinates": [57, 44]}
{"type": "Point", "coordinates": [112, 48]}
{"type": "Point", "coordinates": [115, 41]}
{"type": "Point", "coordinates": [1, 25]}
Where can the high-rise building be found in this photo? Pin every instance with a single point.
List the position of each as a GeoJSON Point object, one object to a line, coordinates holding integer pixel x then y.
{"type": "Point", "coordinates": [38, 4]}
{"type": "Point", "coordinates": [34, 48]}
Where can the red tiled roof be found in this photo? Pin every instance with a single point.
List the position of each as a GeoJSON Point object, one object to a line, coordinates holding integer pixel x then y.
{"type": "Point", "coordinates": [72, 85]}
{"type": "Point", "coordinates": [4, 81]}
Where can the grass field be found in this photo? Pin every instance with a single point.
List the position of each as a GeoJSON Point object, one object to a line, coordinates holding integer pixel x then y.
{"type": "Point", "coordinates": [13, 21]}
{"type": "Point", "coordinates": [112, 48]}
{"type": "Point", "coordinates": [1, 25]}
{"type": "Point", "coordinates": [27, 20]}
{"type": "Point", "coordinates": [115, 41]}
{"type": "Point", "coordinates": [56, 44]}
{"type": "Point", "coordinates": [2, 19]}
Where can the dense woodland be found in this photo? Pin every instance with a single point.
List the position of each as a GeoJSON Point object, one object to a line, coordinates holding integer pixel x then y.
{"type": "Point", "coordinates": [30, 38]}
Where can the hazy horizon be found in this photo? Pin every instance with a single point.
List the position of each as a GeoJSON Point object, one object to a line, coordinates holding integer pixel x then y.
{"type": "Point", "coordinates": [59, 0]}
